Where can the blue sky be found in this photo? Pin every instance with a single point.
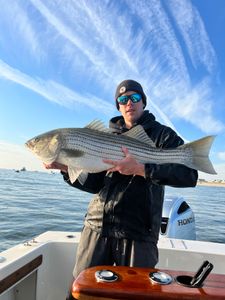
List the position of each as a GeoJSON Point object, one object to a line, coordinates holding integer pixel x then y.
{"type": "Point", "coordinates": [60, 62]}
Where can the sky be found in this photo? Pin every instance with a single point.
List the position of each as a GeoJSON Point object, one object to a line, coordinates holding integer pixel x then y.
{"type": "Point", "coordinates": [60, 63]}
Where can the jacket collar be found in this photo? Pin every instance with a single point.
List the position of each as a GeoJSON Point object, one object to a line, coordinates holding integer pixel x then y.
{"type": "Point", "coordinates": [117, 124]}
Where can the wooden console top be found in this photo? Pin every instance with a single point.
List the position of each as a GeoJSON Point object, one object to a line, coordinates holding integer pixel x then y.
{"type": "Point", "coordinates": [134, 284]}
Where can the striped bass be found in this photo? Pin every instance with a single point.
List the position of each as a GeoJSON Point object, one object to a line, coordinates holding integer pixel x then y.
{"type": "Point", "coordinates": [83, 149]}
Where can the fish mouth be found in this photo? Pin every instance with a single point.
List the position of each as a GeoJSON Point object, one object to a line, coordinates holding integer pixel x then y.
{"type": "Point", "coordinates": [27, 144]}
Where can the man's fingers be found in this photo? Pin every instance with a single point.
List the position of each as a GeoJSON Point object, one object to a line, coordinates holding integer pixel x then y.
{"type": "Point", "coordinates": [110, 162]}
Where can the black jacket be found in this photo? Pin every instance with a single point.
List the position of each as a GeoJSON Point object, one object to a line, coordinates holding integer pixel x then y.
{"type": "Point", "coordinates": [131, 206]}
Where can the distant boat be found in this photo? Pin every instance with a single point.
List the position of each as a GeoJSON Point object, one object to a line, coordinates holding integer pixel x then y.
{"type": "Point", "coordinates": [21, 170]}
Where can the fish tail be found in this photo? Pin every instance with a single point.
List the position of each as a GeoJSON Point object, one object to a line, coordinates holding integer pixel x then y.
{"type": "Point", "coordinates": [200, 151]}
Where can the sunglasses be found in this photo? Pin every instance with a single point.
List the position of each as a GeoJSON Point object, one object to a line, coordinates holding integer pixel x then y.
{"type": "Point", "coordinates": [135, 98]}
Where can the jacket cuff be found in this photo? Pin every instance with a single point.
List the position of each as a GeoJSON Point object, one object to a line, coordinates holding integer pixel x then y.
{"type": "Point", "coordinates": [149, 171]}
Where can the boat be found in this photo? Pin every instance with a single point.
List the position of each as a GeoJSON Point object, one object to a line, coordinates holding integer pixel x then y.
{"type": "Point", "coordinates": [41, 268]}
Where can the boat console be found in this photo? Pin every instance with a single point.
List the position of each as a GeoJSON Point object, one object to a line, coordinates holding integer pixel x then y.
{"type": "Point", "coordinates": [117, 282]}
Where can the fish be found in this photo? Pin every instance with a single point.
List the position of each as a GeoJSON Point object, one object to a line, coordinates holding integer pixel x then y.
{"type": "Point", "coordinates": [84, 149]}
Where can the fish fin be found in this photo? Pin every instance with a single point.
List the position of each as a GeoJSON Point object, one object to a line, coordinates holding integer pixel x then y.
{"type": "Point", "coordinates": [99, 126]}
{"type": "Point", "coordinates": [75, 174]}
{"type": "Point", "coordinates": [139, 134]}
{"type": "Point", "coordinates": [73, 152]}
{"type": "Point", "coordinates": [82, 177]}
{"type": "Point", "coordinates": [200, 152]}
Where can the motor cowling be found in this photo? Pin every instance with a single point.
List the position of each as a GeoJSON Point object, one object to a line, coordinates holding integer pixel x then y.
{"type": "Point", "coordinates": [178, 219]}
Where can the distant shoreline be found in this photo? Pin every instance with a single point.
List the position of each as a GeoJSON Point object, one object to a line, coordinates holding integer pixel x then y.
{"type": "Point", "coordinates": [212, 184]}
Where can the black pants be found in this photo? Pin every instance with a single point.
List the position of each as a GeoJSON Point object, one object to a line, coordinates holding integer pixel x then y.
{"type": "Point", "coordinates": [94, 250]}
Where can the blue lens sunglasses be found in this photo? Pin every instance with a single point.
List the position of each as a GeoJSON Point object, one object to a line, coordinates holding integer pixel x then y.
{"type": "Point", "coordinates": [135, 98]}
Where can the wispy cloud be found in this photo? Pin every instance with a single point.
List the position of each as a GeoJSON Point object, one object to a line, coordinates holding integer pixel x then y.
{"type": "Point", "coordinates": [95, 54]}
{"type": "Point", "coordinates": [15, 18]}
{"type": "Point", "coordinates": [160, 41]}
{"type": "Point", "coordinates": [196, 107]}
{"type": "Point", "coordinates": [105, 25]}
{"type": "Point", "coordinates": [192, 29]}
{"type": "Point", "coordinates": [169, 80]}
{"type": "Point", "coordinates": [109, 41]}
{"type": "Point", "coordinates": [54, 91]}
{"type": "Point", "coordinates": [116, 35]}
{"type": "Point", "coordinates": [125, 62]}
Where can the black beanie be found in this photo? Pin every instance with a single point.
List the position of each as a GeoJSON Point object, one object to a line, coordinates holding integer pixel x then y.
{"type": "Point", "coordinates": [129, 85]}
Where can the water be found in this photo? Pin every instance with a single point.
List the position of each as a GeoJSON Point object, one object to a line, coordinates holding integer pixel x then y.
{"type": "Point", "coordinates": [34, 202]}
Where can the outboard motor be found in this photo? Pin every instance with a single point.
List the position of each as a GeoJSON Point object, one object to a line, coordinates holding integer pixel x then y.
{"type": "Point", "coordinates": [178, 220]}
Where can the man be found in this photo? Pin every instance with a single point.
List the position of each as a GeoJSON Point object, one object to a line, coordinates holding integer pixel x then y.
{"type": "Point", "coordinates": [123, 220]}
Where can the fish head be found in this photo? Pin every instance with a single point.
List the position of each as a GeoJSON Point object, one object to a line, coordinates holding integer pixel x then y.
{"type": "Point", "coordinates": [45, 146]}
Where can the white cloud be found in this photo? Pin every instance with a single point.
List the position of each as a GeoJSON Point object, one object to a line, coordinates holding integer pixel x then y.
{"type": "Point", "coordinates": [75, 36]}
{"type": "Point", "coordinates": [16, 19]}
{"type": "Point", "coordinates": [122, 45]}
{"type": "Point", "coordinates": [192, 28]}
{"type": "Point", "coordinates": [103, 37]}
{"type": "Point", "coordinates": [167, 79]}
{"type": "Point", "coordinates": [100, 20]}
{"type": "Point", "coordinates": [161, 41]}
{"type": "Point", "coordinates": [54, 91]}
{"type": "Point", "coordinates": [196, 107]}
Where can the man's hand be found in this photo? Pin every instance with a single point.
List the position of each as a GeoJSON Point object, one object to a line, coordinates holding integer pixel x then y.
{"type": "Point", "coordinates": [126, 166]}
{"type": "Point", "coordinates": [56, 166]}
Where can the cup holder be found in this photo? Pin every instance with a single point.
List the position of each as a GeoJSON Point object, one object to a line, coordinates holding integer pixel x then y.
{"type": "Point", "coordinates": [197, 280]}
{"type": "Point", "coordinates": [186, 280]}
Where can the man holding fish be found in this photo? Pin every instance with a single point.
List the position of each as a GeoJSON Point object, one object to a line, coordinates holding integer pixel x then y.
{"type": "Point", "coordinates": [123, 220]}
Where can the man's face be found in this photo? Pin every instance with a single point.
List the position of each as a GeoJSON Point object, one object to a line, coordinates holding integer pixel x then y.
{"type": "Point", "coordinates": [131, 112]}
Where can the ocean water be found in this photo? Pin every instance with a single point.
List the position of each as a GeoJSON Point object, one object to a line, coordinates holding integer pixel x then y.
{"type": "Point", "coordinates": [34, 202]}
